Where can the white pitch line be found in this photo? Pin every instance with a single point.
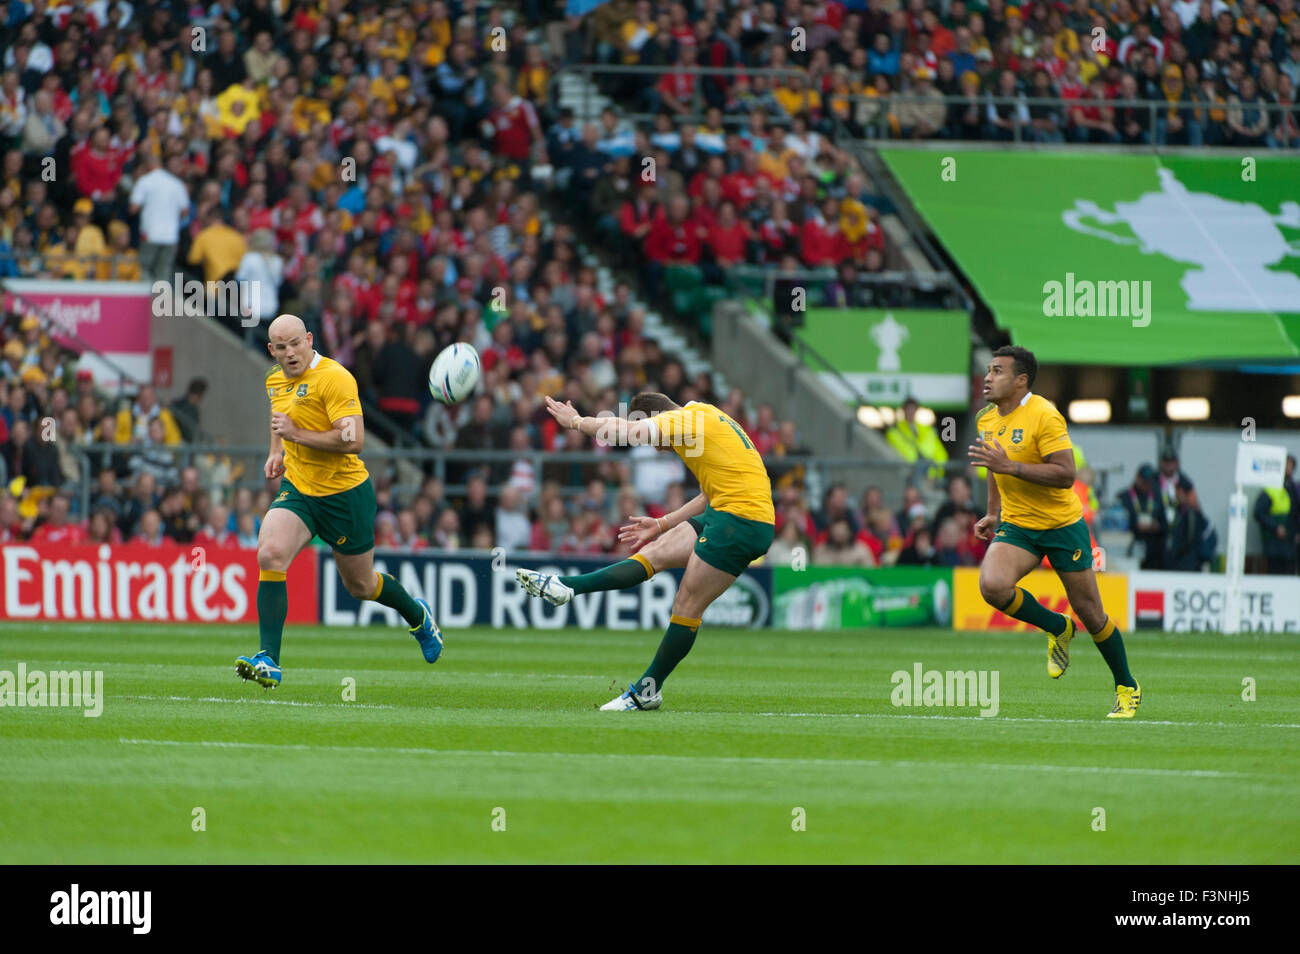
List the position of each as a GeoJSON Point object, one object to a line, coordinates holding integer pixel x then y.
{"type": "Point", "coordinates": [259, 702]}
{"type": "Point", "coordinates": [733, 759]}
{"type": "Point", "coordinates": [995, 719]}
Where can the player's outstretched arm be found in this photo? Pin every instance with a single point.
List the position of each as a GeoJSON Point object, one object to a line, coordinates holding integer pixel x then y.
{"type": "Point", "coordinates": [644, 529]}
{"type": "Point", "coordinates": [609, 428]}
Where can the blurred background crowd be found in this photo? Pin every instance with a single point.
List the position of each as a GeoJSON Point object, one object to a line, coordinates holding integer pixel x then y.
{"type": "Point", "coordinates": [392, 174]}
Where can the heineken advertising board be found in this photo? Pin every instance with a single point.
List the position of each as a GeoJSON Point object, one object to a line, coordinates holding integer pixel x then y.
{"type": "Point", "coordinates": [1130, 260]}
{"type": "Point", "coordinates": [829, 597]}
{"type": "Point", "coordinates": [886, 354]}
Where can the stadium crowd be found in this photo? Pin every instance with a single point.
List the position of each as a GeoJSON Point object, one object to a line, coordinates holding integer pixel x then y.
{"type": "Point", "coordinates": [881, 68]}
{"type": "Point", "coordinates": [383, 172]}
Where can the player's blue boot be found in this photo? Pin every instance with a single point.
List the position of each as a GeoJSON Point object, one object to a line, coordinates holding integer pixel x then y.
{"type": "Point", "coordinates": [428, 635]}
{"type": "Point", "coordinates": [260, 668]}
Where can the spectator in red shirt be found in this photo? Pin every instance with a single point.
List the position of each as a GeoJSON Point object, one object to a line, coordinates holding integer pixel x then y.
{"type": "Point", "coordinates": [778, 233]}
{"type": "Point", "coordinates": [513, 125]}
{"type": "Point", "coordinates": [676, 88]}
{"type": "Point", "coordinates": [97, 167]}
{"type": "Point", "coordinates": [729, 237]}
{"type": "Point", "coordinates": [637, 216]}
{"type": "Point", "coordinates": [215, 534]}
{"type": "Point", "coordinates": [739, 186]}
{"type": "Point", "coordinates": [57, 530]}
{"type": "Point", "coordinates": [672, 240]}
{"type": "Point", "coordinates": [151, 532]}
{"type": "Point", "coordinates": [823, 242]}
{"type": "Point", "coordinates": [714, 168]}
{"type": "Point", "coordinates": [764, 433]}
{"type": "Point", "coordinates": [942, 41]}
{"type": "Point", "coordinates": [103, 529]}
{"type": "Point", "coordinates": [705, 209]}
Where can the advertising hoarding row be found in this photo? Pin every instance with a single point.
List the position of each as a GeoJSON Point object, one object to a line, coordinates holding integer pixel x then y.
{"type": "Point", "coordinates": [178, 584]}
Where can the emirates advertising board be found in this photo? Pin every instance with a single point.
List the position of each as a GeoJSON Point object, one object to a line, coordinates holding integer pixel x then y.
{"type": "Point", "coordinates": [167, 584]}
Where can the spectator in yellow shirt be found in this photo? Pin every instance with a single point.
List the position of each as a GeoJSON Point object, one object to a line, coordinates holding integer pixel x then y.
{"type": "Point", "coordinates": [775, 159]}
{"type": "Point", "coordinates": [121, 264]}
{"type": "Point", "coordinates": [217, 247]}
{"type": "Point", "coordinates": [533, 75]}
{"type": "Point", "coordinates": [638, 31]}
{"type": "Point", "coordinates": [796, 97]}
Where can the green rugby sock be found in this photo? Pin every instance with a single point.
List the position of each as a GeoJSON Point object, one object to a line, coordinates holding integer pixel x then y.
{"type": "Point", "coordinates": [617, 576]}
{"type": "Point", "coordinates": [1111, 646]}
{"type": "Point", "coordinates": [272, 608]}
{"type": "Point", "coordinates": [677, 642]}
{"type": "Point", "coordinates": [391, 593]}
{"type": "Point", "coordinates": [1028, 610]}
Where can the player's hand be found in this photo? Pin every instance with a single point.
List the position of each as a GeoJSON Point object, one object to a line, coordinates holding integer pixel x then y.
{"type": "Point", "coordinates": [282, 426]}
{"type": "Point", "coordinates": [985, 527]}
{"type": "Point", "coordinates": [990, 455]}
{"type": "Point", "coordinates": [563, 413]}
{"type": "Point", "coordinates": [274, 466]}
{"type": "Point", "coordinates": [639, 532]}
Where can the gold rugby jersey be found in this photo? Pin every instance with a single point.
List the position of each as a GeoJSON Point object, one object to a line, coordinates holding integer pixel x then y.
{"type": "Point", "coordinates": [314, 400]}
{"type": "Point", "coordinates": [1029, 434]}
{"type": "Point", "coordinates": [721, 456]}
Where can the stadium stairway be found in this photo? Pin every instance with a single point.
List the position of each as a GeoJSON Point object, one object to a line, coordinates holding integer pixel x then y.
{"type": "Point", "coordinates": [577, 92]}
{"type": "Point", "coordinates": [743, 349]}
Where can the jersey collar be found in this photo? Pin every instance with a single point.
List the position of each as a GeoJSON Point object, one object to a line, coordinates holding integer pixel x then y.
{"type": "Point", "coordinates": [1023, 401]}
{"type": "Point", "coordinates": [315, 360]}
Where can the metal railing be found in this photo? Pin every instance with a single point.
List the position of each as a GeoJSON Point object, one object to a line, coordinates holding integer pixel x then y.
{"type": "Point", "coordinates": [591, 70]}
{"type": "Point", "coordinates": [1156, 110]}
{"type": "Point", "coordinates": [941, 287]}
{"type": "Point", "coordinates": [72, 265]}
{"type": "Point", "coordinates": [838, 124]}
{"type": "Point", "coordinates": [225, 468]}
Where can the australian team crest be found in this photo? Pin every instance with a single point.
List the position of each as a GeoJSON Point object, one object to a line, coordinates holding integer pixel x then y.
{"type": "Point", "coordinates": [1017, 435]}
{"type": "Point", "coordinates": [302, 390]}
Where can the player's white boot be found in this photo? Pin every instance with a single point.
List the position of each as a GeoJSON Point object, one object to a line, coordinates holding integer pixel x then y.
{"type": "Point", "coordinates": [547, 587]}
{"type": "Point", "coordinates": [632, 701]}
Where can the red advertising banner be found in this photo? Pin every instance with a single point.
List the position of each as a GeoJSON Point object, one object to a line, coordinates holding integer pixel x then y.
{"type": "Point", "coordinates": [174, 583]}
{"type": "Point", "coordinates": [109, 318]}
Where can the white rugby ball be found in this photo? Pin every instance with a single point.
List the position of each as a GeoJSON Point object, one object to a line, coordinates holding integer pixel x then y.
{"type": "Point", "coordinates": [455, 373]}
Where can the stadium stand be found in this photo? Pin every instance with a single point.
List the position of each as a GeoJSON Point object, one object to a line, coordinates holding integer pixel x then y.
{"type": "Point", "coordinates": [384, 171]}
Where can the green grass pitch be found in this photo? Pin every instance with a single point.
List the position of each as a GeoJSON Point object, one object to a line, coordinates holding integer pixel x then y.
{"type": "Point", "coordinates": [755, 725]}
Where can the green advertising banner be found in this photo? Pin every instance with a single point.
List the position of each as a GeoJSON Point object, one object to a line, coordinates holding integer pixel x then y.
{"type": "Point", "coordinates": [886, 354]}
{"type": "Point", "coordinates": [830, 597]}
{"type": "Point", "coordinates": [1131, 260]}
